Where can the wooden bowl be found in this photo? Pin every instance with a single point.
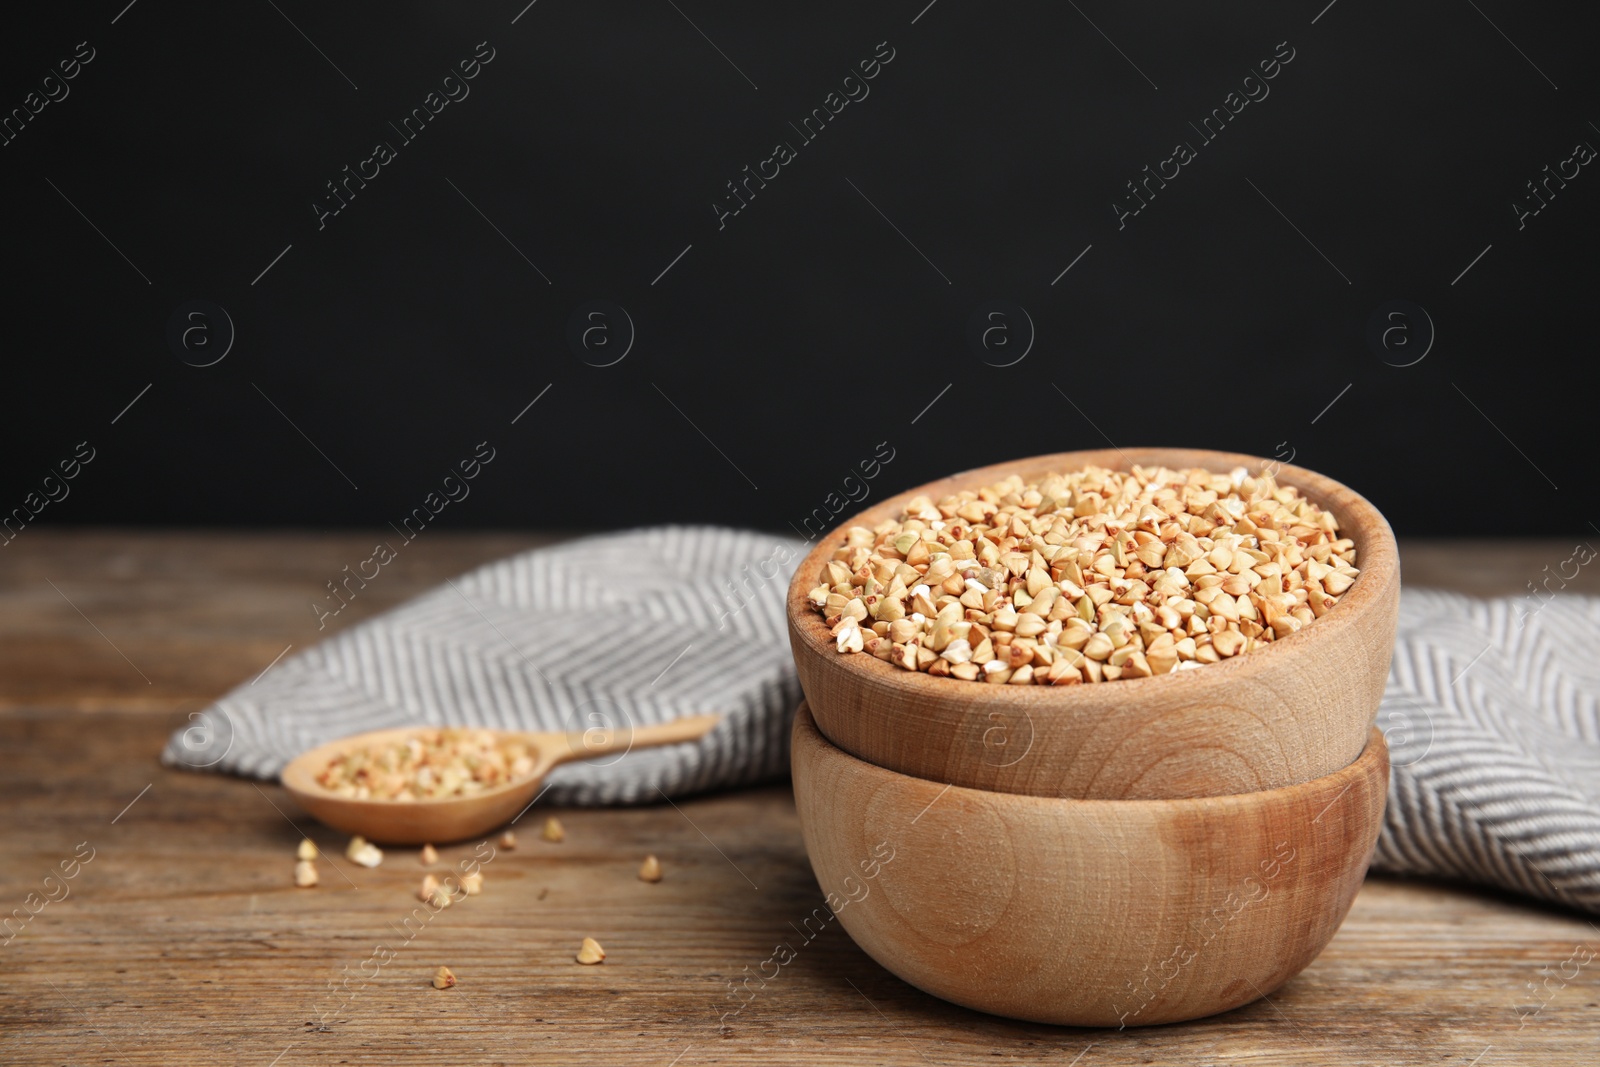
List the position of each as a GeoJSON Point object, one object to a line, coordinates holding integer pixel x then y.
{"type": "Point", "coordinates": [1295, 710]}
{"type": "Point", "coordinates": [1085, 912]}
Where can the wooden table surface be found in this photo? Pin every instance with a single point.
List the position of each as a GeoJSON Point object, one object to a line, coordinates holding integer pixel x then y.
{"type": "Point", "coordinates": [183, 940]}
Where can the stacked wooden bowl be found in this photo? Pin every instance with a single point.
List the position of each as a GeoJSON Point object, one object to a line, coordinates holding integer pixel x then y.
{"type": "Point", "coordinates": [1125, 853]}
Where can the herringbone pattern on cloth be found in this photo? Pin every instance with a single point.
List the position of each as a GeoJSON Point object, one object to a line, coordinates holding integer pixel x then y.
{"type": "Point", "coordinates": [617, 630]}
{"type": "Point", "coordinates": [1492, 712]}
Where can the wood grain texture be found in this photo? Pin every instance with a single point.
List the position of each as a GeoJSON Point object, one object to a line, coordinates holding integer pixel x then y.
{"type": "Point", "coordinates": [1086, 912]}
{"type": "Point", "coordinates": [183, 941]}
{"type": "Point", "coordinates": [1295, 710]}
{"type": "Point", "coordinates": [182, 619]}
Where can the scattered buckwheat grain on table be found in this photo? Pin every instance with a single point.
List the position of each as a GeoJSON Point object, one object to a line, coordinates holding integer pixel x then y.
{"type": "Point", "coordinates": [363, 852]}
{"type": "Point", "coordinates": [1086, 577]}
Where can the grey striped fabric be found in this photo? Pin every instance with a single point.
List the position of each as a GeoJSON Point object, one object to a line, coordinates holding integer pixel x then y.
{"type": "Point", "coordinates": [615, 631]}
{"type": "Point", "coordinates": [1492, 710]}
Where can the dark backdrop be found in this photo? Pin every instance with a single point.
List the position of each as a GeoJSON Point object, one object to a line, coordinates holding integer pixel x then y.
{"type": "Point", "coordinates": [775, 349]}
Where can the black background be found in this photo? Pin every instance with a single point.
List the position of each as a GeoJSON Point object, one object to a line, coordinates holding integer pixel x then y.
{"type": "Point", "coordinates": [778, 351]}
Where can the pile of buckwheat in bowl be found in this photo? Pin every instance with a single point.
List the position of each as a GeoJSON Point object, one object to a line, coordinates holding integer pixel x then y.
{"type": "Point", "coordinates": [432, 764]}
{"type": "Point", "coordinates": [1088, 576]}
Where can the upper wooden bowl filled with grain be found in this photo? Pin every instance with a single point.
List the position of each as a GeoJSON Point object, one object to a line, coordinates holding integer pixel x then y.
{"type": "Point", "coordinates": [1291, 709]}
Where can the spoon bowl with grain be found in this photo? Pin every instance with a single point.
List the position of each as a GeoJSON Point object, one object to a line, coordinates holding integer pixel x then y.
{"type": "Point", "coordinates": [459, 815]}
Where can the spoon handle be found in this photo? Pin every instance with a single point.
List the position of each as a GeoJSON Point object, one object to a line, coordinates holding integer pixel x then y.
{"type": "Point", "coordinates": [600, 742]}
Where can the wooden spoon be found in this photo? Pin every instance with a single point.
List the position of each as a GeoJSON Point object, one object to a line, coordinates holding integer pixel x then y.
{"type": "Point", "coordinates": [415, 822]}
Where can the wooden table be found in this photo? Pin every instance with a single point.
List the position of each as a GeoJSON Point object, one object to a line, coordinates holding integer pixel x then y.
{"type": "Point", "coordinates": [183, 941]}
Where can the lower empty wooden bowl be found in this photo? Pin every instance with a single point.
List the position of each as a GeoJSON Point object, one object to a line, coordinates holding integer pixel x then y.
{"type": "Point", "coordinates": [1294, 710]}
{"type": "Point", "coordinates": [1086, 912]}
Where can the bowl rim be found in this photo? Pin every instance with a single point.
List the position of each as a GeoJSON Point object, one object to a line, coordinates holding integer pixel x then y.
{"type": "Point", "coordinates": [1380, 567]}
{"type": "Point", "coordinates": [1375, 751]}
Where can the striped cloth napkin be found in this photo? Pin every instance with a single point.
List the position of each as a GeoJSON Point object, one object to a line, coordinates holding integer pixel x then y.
{"type": "Point", "coordinates": [1492, 713]}
{"type": "Point", "coordinates": [1492, 709]}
